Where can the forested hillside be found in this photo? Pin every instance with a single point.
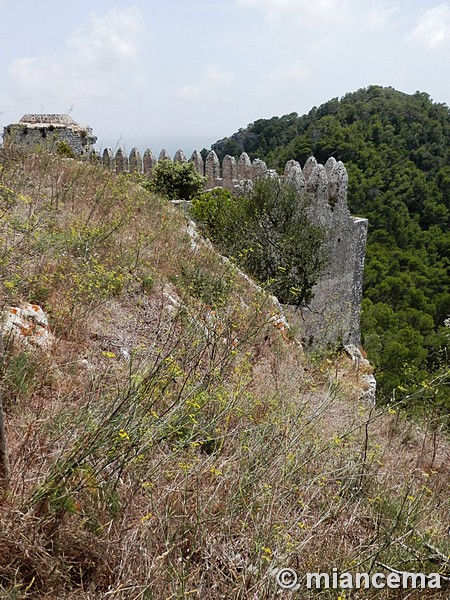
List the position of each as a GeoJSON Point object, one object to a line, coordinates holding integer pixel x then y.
{"type": "Point", "coordinates": [396, 148]}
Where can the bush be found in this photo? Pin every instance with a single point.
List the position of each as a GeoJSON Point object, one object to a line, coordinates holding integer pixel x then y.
{"type": "Point", "coordinates": [63, 149]}
{"type": "Point", "coordinates": [269, 233]}
{"type": "Point", "coordinates": [176, 180]}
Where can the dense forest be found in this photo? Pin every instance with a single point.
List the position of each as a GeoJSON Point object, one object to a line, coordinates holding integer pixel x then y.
{"type": "Point", "coordinates": [396, 148]}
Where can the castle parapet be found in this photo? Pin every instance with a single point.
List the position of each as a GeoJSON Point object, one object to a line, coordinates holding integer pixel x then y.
{"type": "Point", "coordinates": [333, 316]}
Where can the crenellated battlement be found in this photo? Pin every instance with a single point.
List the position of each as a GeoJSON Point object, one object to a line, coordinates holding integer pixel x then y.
{"type": "Point", "coordinates": [333, 316]}
{"type": "Point", "coordinates": [327, 183]}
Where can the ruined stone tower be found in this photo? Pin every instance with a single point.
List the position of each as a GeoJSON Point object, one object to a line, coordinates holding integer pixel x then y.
{"type": "Point", "coordinates": [50, 131]}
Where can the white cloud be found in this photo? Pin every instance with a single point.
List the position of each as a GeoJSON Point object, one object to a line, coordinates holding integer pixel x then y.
{"type": "Point", "coordinates": [290, 72]}
{"type": "Point", "coordinates": [107, 43]}
{"type": "Point", "coordinates": [94, 55]}
{"type": "Point", "coordinates": [213, 79]}
{"type": "Point", "coordinates": [324, 13]}
{"type": "Point", "coordinates": [303, 11]}
{"type": "Point", "coordinates": [378, 14]}
{"type": "Point", "coordinates": [433, 27]}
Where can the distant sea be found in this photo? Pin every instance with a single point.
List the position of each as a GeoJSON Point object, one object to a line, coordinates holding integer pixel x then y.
{"type": "Point", "coordinates": [169, 143]}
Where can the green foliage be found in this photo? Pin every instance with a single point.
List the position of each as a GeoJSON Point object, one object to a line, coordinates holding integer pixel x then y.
{"type": "Point", "coordinates": [63, 149]}
{"type": "Point", "coordinates": [211, 288]}
{"type": "Point", "coordinates": [395, 148]}
{"type": "Point", "coordinates": [269, 234]}
{"type": "Point", "coordinates": [176, 180]}
{"type": "Point", "coordinates": [19, 376]}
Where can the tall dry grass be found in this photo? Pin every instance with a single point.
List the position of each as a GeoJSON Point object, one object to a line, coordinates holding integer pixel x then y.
{"type": "Point", "coordinates": [175, 443]}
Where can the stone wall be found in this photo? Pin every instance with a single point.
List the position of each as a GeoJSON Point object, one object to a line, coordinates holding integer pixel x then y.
{"type": "Point", "coordinates": [333, 316]}
{"type": "Point", "coordinates": [50, 130]}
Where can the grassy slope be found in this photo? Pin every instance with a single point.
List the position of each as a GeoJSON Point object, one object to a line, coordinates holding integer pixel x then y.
{"type": "Point", "coordinates": [176, 442]}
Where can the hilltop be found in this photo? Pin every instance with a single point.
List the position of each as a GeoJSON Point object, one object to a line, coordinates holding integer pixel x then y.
{"type": "Point", "coordinates": [395, 147]}
{"type": "Point", "coordinates": [167, 435]}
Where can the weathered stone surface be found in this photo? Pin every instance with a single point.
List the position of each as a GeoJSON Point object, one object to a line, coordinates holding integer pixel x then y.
{"type": "Point", "coordinates": [108, 159]}
{"type": "Point", "coordinates": [135, 161]}
{"type": "Point", "coordinates": [180, 157]}
{"type": "Point", "coordinates": [309, 167]}
{"type": "Point", "coordinates": [121, 161]}
{"type": "Point", "coordinates": [27, 325]}
{"type": "Point", "coordinates": [244, 167]}
{"type": "Point", "coordinates": [229, 172]}
{"type": "Point", "coordinates": [259, 168]}
{"type": "Point", "coordinates": [362, 365]}
{"type": "Point", "coordinates": [317, 184]}
{"type": "Point", "coordinates": [49, 119]}
{"type": "Point", "coordinates": [212, 168]}
{"type": "Point", "coordinates": [338, 185]}
{"type": "Point", "coordinates": [197, 160]}
{"type": "Point", "coordinates": [49, 131]}
{"type": "Point", "coordinates": [164, 155]}
{"type": "Point", "coordinates": [149, 161]}
{"type": "Point", "coordinates": [330, 165]}
{"type": "Point", "coordinates": [293, 172]}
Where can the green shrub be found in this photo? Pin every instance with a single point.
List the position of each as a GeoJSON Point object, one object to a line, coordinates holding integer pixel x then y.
{"type": "Point", "coordinates": [63, 149]}
{"type": "Point", "coordinates": [176, 180]}
{"type": "Point", "coordinates": [269, 233]}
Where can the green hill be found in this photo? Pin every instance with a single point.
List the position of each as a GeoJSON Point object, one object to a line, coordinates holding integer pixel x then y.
{"type": "Point", "coordinates": [396, 148]}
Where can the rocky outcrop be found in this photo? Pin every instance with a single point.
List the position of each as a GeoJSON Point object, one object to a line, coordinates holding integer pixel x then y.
{"type": "Point", "coordinates": [27, 326]}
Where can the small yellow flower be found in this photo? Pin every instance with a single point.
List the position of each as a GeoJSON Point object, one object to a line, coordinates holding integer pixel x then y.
{"type": "Point", "coordinates": [215, 471]}
{"type": "Point", "coordinates": [123, 435]}
{"type": "Point", "coordinates": [267, 553]}
{"type": "Point", "coordinates": [146, 517]}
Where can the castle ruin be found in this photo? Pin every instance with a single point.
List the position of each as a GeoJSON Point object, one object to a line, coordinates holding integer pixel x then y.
{"type": "Point", "coordinates": [52, 131]}
{"type": "Point", "coordinates": [333, 316]}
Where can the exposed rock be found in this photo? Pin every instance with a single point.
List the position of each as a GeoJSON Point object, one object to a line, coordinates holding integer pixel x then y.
{"type": "Point", "coordinates": [108, 159]}
{"type": "Point", "coordinates": [28, 326]}
{"type": "Point", "coordinates": [212, 168]}
{"type": "Point", "coordinates": [370, 383]}
{"type": "Point", "coordinates": [309, 166]}
{"type": "Point", "coordinates": [229, 171]}
{"type": "Point", "coordinates": [121, 161]}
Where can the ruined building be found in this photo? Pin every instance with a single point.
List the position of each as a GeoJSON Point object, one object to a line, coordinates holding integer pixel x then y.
{"type": "Point", "coordinates": [333, 316]}
{"type": "Point", "coordinates": [51, 131]}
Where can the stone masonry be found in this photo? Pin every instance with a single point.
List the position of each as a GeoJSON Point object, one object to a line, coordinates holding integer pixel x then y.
{"type": "Point", "coordinates": [49, 130]}
{"type": "Point", "coordinates": [333, 316]}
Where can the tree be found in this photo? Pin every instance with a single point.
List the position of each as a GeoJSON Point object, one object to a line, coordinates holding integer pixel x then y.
{"type": "Point", "coordinates": [270, 234]}
{"type": "Point", "coordinates": [176, 180]}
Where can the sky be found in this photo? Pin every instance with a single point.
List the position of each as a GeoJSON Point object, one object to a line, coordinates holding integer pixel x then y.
{"type": "Point", "coordinates": [185, 73]}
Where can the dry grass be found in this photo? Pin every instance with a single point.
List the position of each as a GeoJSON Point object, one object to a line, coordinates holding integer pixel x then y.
{"type": "Point", "coordinates": [175, 444]}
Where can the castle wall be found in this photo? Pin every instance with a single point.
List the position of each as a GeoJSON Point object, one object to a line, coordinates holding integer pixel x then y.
{"type": "Point", "coordinates": [30, 135]}
{"type": "Point", "coordinates": [333, 316]}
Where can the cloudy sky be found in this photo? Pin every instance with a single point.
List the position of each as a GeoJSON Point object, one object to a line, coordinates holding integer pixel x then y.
{"type": "Point", "coordinates": [187, 72]}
